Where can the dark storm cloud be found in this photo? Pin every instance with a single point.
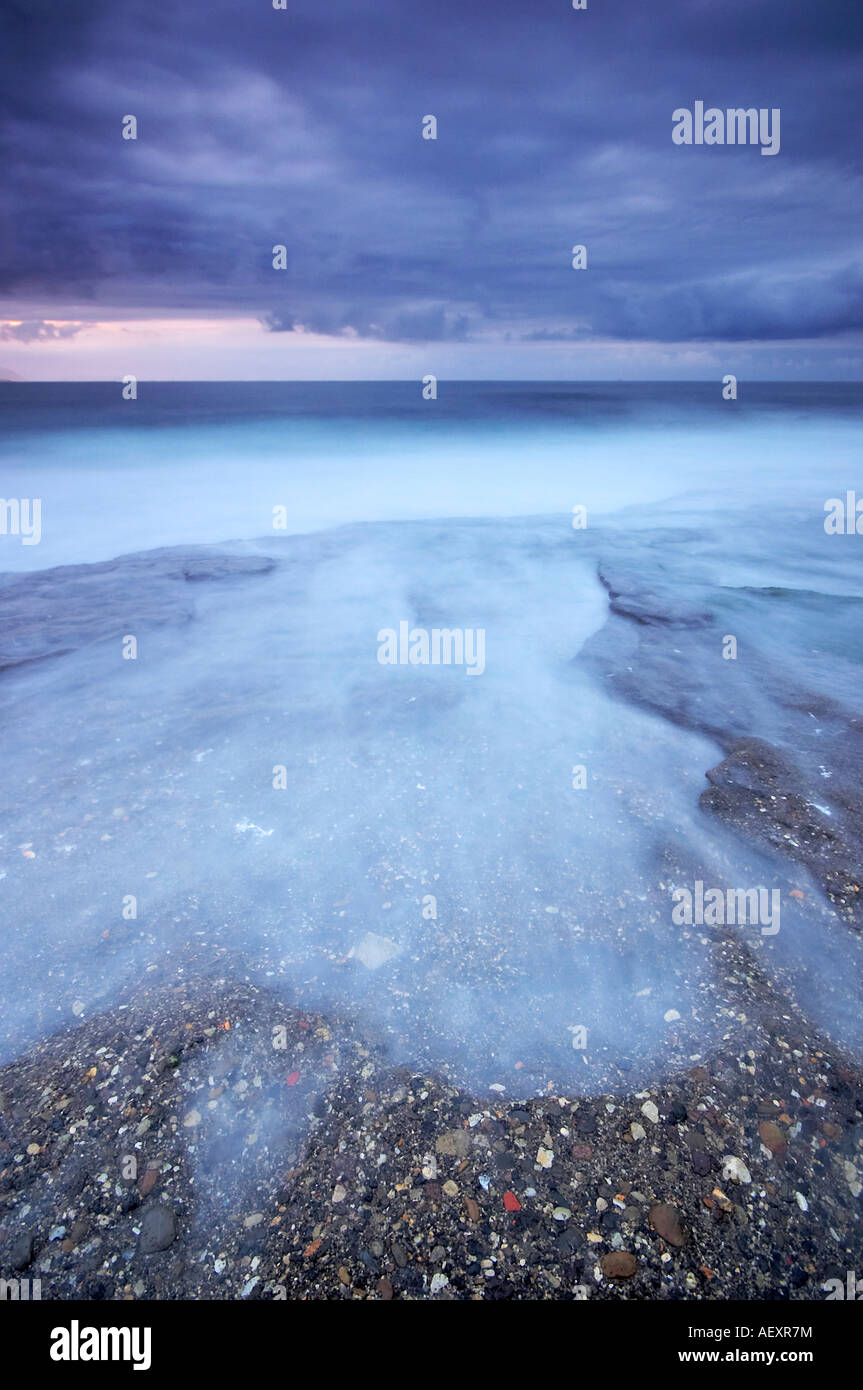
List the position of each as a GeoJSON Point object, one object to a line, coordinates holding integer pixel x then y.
{"type": "Point", "coordinates": [302, 128]}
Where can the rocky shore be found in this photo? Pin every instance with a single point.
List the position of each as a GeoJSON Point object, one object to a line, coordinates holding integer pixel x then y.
{"type": "Point", "coordinates": [215, 1133]}
{"type": "Point", "coordinates": [206, 1142]}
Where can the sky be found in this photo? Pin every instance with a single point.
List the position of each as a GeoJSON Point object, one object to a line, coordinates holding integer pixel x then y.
{"type": "Point", "coordinates": [302, 127]}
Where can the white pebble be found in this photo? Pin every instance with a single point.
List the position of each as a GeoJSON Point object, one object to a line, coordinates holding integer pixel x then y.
{"type": "Point", "coordinates": [735, 1170]}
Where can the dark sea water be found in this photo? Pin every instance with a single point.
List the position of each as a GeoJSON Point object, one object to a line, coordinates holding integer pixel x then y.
{"type": "Point", "coordinates": [426, 815]}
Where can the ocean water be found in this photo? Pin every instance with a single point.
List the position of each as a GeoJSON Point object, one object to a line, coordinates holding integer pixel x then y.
{"type": "Point", "coordinates": [207, 462]}
{"type": "Point", "coordinates": [421, 813]}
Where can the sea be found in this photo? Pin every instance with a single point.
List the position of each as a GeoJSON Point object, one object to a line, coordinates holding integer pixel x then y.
{"type": "Point", "coordinates": [208, 767]}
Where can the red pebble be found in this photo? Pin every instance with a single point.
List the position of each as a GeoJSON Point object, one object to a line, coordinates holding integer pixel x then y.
{"type": "Point", "coordinates": [511, 1202]}
{"type": "Point", "coordinates": [293, 1078]}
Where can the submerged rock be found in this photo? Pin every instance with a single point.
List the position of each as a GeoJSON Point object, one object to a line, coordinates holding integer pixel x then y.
{"type": "Point", "coordinates": [158, 1229]}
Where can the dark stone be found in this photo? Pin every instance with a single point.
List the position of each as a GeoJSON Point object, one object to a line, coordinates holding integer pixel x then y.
{"type": "Point", "coordinates": [21, 1253]}
{"type": "Point", "coordinates": [567, 1241]}
{"type": "Point", "coordinates": [97, 1290]}
{"type": "Point", "coordinates": [158, 1229]}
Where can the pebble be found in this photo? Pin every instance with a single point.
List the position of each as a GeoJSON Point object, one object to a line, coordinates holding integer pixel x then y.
{"type": "Point", "coordinates": [735, 1170]}
{"type": "Point", "coordinates": [650, 1111]}
{"type": "Point", "coordinates": [545, 1157]}
{"type": "Point", "coordinates": [439, 1282]}
{"type": "Point", "coordinates": [158, 1230]}
{"type": "Point", "coordinates": [455, 1143]}
{"type": "Point", "coordinates": [621, 1264]}
{"type": "Point", "coordinates": [772, 1137]}
{"type": "Point", "coordinates": [21, 1253]}
{"type": "Point", "coordinates": [637, 1131]}
{"type": "Point", "coordinates": [561, 1214]}
{"type": "Point", "coordinates": [665, 1220]}
{"type": "Point", "coordinates": [450, 1188]}
{"type": "Point", "coordinates": [148, 1181]}
{"type": "Point", "coordinates": [340, 1192]}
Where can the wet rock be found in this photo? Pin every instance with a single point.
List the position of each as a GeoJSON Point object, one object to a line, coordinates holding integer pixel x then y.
{"type": "Point", "coordinates": [77, 1232]}
{"type": "Point", "coordinates": [21, 1253]}
{"type": "Point", "coordinates": [158, 1229]}
{"type": "Point", "coordinates": [455, 1143]}
{"type": "Point", "coordinates": [620, 1264]}
{"type": "Point", "coordinates": [735, 1170]}
{"type": "Point", "coordinates": [758, 791]}
{"type": "Point", "coordinates": [666, 1221]}
{"type": "Point", "coordinates": [148, 1180]}
{"type": "Point", "coordinates": [772, 1137]}
{"type": "Point", "coordinates": [629, 597]}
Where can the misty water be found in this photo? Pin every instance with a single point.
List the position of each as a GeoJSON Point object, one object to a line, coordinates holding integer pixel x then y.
{"type": "Point", "coordinates": [428, 866]}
